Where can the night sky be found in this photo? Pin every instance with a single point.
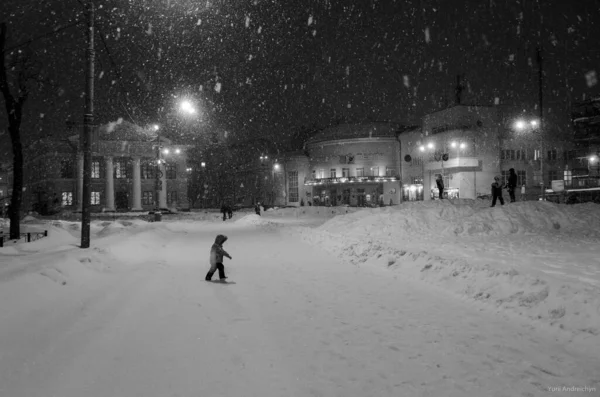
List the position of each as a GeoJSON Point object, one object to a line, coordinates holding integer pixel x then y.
{"type": "Point", "coordinates": [267, 68]}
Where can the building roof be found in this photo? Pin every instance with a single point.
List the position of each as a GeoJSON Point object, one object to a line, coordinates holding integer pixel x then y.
{"type": "Point", "coordinates": [354, 131]}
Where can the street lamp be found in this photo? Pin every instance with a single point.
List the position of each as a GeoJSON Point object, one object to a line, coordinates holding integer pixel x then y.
{"type": "Point", "coordinates": [187, 107]}
{"type": "Point", "coordinates": [522, 125]}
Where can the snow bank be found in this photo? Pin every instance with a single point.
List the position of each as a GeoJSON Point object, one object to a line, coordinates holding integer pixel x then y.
{"type": "Point", "coordinates": [537, 259]}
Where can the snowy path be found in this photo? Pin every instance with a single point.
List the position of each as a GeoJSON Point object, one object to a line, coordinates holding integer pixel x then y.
{"type": "Point", "coordinates": [296, 323]}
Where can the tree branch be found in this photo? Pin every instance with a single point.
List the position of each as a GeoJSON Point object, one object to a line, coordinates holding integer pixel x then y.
{"type": "Point", "coordinates": [4, 87]}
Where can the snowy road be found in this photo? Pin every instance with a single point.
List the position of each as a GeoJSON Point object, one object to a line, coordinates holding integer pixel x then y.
{"type": "Point", "coordinates": [296, 323]}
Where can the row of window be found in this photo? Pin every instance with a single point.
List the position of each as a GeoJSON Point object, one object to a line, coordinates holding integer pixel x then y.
{"type": "Point", "coordinates": [522, 154]}
{"type": "Point", "coordinates": [147, 198]}
{"type": "Point", "coordinates": [373, 171]}
{"type": "Point", "coordinates": [122, 169]}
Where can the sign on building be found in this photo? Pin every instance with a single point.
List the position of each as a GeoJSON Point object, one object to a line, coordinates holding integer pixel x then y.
{"type": "Point", "coordinates": [558, 186]}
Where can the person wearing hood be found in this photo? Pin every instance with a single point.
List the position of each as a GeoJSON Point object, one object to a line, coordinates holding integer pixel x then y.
{"type": "Point", "coordinates": [439, 181]}
{"type": "Point", "coordinates": [224, 211]}
{"type": "Point", "coordinates": [216, 258]}
{"type": "Point", "coordinates": [512, 184]}
{"type": "Point", "coordinates": [497, 187]}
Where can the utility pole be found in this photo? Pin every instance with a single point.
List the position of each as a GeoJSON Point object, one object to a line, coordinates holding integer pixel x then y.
{"type": "Point", "coordinates": [541, 110]}
{"type": "Point", "coordinates": [88, 121]}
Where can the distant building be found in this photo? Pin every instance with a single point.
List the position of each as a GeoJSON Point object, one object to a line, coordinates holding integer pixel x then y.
{"type": "Point", "coordinates": [586, 123]}
{"type": "Point", "coordinates": [347, 164]}
{"type": "Point", "coordinates": [469, 145]}
{"type": "Point", "coordinates": [123, 172]}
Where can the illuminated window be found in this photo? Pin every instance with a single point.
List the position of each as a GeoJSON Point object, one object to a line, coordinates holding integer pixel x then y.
{"type": "Point", "coordinates": [67, 198]}
{"type": "Point", "coordinates": [147, 198]}
{"type": "Point", "coordinates": [95, 198]}
{"type": "Point", "coordinates": [96, 169]}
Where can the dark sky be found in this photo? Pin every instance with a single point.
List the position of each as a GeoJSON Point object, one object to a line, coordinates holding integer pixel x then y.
{"type": "Point", "coordinates": [281, 65]}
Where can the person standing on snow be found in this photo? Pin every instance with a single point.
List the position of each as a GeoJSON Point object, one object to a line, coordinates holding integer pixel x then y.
{"type": "Point", "coordinates": [216, 258]}
{"type": "Point", "coordinates": [497, 191]}
{"type": "Point", "coordinates": [224, 211]}
{"type": "Point", "coordinates": [230, 211]}
{"type": "Point", "coordinates": [440, 185]}
{"type": "Point", "coordinates": [512, 184]}
{"type": "Point", "coordinates": [257, 209]}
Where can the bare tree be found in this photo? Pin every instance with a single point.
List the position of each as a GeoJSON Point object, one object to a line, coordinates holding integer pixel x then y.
{"type": "Point", "coordinates": [14, 110]}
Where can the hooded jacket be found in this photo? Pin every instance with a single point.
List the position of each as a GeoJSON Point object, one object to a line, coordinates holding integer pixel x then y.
{"type": "Point", "coordinates": [512, 179]}
{"type": "Point", "coordinates": [217, 252]}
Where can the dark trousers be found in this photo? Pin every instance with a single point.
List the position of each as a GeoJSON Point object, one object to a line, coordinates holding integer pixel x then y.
{"type": "Point", "coordinates": [224, 216]}
{"type": "Point", "coordinates": [499, 197]}
{"type": "Point", "coordinates": [511, 193]}
{"type": "Point", "coordinates": [441, 193]}
{"type": "Point", "coordinates": [213, 269]}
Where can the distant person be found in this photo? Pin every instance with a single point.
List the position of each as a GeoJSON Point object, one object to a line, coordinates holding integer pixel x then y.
{"type": "Point", "coordinates": [216, 258]}
{"type": "Point", "coordinates": [224, 211]}
{"type": "Point", "coordinates": [497, 191]}
{"type": "Point", "coordinates": [257, 209]}
{"type": "Point", "coordinates": [523, 195]}
{"type": "Point", "coordinates": [440, 185]}
{"type": "Point", "coordinates": [230, 211]}
{"type": "Point", "coordinates": [512, 184]}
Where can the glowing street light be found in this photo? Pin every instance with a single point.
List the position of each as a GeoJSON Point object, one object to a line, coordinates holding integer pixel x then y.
{"type": "Point", "coordinates": [520, 125]}
{"type": "Point", "coordinates": [187, 107]}
{"type": "Point", "coordinates": [156, 127]}
{"type": "Point", "coordinates": [593, 159]}
{"type": "Point", "coordinates": [203, 164]}
{"type": "Point", "coordinates": [430, 145]}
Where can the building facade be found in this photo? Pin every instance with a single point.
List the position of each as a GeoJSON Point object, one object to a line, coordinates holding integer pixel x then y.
{"type": "Point", "coordinates": [348, 164]}
{"type": "Point", "coordinates": [469, 145]}
{"type": "Point", "coordinates": [130, 171]}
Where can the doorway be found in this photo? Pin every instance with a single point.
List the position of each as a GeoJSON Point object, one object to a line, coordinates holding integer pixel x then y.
{"type": "Point", "coordinates": [122, 201]}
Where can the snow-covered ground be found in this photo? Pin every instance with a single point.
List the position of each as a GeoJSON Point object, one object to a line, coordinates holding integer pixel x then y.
{"type": "Point", "coordinates": [537, 259]}
{"type": "Point", "coordinates": [424, 299]}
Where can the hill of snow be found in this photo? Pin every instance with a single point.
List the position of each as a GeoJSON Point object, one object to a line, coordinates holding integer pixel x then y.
{"type": "Point", "coordinates": [537, 259]}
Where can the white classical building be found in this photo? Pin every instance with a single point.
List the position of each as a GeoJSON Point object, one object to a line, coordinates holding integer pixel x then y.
{"type": "Point", "coordinates": [126, 174]}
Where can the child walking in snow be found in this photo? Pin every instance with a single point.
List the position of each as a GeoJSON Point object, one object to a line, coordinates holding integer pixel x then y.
{"type": "Point", "coordinates": [216, 258]}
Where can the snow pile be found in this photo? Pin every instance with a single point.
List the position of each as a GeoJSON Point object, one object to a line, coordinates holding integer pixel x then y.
{"type": "Point", "coordinates": [468, 218]}
{"type": "Point", "coordinates": [536, 259]}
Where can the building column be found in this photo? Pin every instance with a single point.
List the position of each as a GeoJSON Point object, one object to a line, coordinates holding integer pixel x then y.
{"type": "Point", "coordinates": [427, 185]}
{"type": "Point", "coordinates": [110, 184]}
{"type": "Point", "coordinates": [162, 195]}
{"type": "Point", "coordinates": [79, 182]}
{"type": "Point", "coordinates": [137, 185]}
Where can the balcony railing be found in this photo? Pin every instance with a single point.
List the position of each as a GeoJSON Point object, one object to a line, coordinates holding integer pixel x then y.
{"type": "Point", "coordinates": [350, 179]}
{"type": "Point", "coordinates": [582, 183]}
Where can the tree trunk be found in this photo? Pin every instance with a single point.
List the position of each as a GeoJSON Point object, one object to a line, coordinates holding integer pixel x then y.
{"type": "Point", "coordinates": [14, 114]}
{"type": "Point", "coordinates": [17, 193]}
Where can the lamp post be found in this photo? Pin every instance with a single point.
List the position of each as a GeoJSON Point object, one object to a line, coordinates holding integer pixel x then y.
{"type": "Point", "coordinates": [430, 147]}
{"type": "Point", "coordinates": [263, 165]}
{"type": "Point", "coordinates": [86, 138]}
{"type": "Point", "coordinates": [522, 125]}
{"type": "Point", "coordinates": [595, 158]}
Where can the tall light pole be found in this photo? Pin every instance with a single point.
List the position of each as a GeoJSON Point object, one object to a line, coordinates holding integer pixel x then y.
{"type": "Point", "coordinates": [521, 125]}
{"type": "Point", "coordinates": [541, 114]}
{"type": "Point", "coordinates": [430, 147]}
{"type": "Point", "coordinates": [88, 121]}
